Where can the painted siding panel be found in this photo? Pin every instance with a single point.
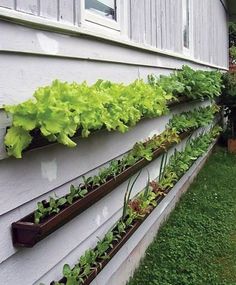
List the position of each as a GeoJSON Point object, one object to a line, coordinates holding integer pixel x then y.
{"type": "Point", "coordinates": [142, 21]}
{"type": "Point", "coordinates": [159, 42]}
{"type": "Point", "coordinates": [169, 28]}
{"type": "Point", "coordinates": [150, 22]}
{"type": "Point", "coordinates": [178, 32]}
{"type": "Point", "coordinates": [210, 32]}
{"type": "Point", "coordinates": [154, 24]}
{"type": "Point", "coordinates": [163, 24]}
{"type": "Point", "coordinates": [49, 9]}
{"type": "Point", "coordinates": [67, 11]}
{"type": "Point", "coordinates": [28, 6]}
{"type": "Point", "coordinates": [138, 21]}
{"type": "Point", "coordinates": [7, 4]}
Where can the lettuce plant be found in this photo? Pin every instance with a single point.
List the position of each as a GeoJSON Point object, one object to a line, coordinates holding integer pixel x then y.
{"type": "Point", "coordinates": [199, 117]}
{"type": "Point", "coordinates": [61, 110]}
{"type": "Point", "coordinates": [194, 84]}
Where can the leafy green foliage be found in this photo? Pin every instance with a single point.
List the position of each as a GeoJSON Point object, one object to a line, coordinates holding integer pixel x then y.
{"type": "Point", "coordinates": [194, 84]}
{"type": "Point", "coordinates": [62, 109]}
{"type": "Point", "coordinates": [54, 206]}
{"type": "Point", "coordinates": [197, 118]}
{"type": "Point", "coordinates": [229, 89]}
{"type": "Point", "coordinates": [232, 42]}
{"type": "Point", "coordinates": [169, 83]}
{"type": "Point", "coordinates": [200, 84]}
{"type": "Point", "coordinates": [232, 34]}
{"type": "Point", "coordinates": [232, 53]}
{"type": "Point", "coordinates": [180, 162]}
{"type": "Point", "coordinates": [228, 100]}
{"type": "Point", "coordinates": [17, 139]}
{"type": "Point", "coordinates": [127, 198]}
{"type": "Point", "coordinates": [115, 167]}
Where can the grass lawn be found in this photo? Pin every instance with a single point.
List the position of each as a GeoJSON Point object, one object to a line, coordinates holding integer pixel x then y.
{"type": "Point", "coordinates": [197, 245]}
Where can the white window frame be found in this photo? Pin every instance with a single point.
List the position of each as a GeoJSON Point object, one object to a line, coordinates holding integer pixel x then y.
{"type": "Point", "coordinates": [91, 20]}
{"type": "Point", "coordinates": [188, 51]}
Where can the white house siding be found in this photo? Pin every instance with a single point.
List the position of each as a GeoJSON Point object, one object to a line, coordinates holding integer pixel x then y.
{"type": "Point", "coordinates": [156, 23]}
{"type": "Point", "coordinates": [211, 32]}
{"type": "Point", "coordinates": [58, 47]}
{"type": "Point", "coordinates": [161, 21]}
{"type": "Point", "coordinates": [210, 37]}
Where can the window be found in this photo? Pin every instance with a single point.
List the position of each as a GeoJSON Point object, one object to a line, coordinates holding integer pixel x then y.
{"type": "Point", "coordinates": [187, 27]}
{"type": "Point", "coordinates": [186, 14]}
{"type": "Point", "coordinates": [105, 8]}
{"type": "Point", "coordinates": [103, 12]}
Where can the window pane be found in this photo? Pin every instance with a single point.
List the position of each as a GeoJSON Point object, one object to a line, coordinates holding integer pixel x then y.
{"type": "Point", "coordinates": [186, 22]}
{"type": "Point", "coordinates": [106, 8]}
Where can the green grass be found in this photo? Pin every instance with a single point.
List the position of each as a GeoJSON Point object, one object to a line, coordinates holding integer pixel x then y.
{"type": "Point", "coordinates": [197, 245]}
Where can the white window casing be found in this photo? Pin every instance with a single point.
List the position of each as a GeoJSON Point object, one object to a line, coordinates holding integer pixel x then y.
{"type": "Point", "coordinates": [187, 27]}
{"type": "Point", "coordinates": [93, 19]}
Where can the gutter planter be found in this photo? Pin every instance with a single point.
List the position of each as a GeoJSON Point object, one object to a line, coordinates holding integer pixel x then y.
{"type": "Point", "coordinates": [39, 141]}
{"type": "Point", "coordinates": [117, 245]}
{"type": "Point", "coordinates": [26, 233]}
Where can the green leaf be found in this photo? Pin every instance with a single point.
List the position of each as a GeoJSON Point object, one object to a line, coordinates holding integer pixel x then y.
{"type": "Point", "coordinates": [37, 217]}
{"type": "Point", "coordinates": [61, 201]}
{"type": "Point", "coordinates": [64, 139]}
{"type": "Point", "coordinates": [24, 115]}
{"type": "Point", "coordinates": [71, 280]}
{"type": "Point", "coordinates": [66, 270]}
{"type": "Point", "coordinates": [83, 192]}
{"type": "Point", "coordinates": [70, 199]}
{"type": "Point", "coordinates": [16, 140]}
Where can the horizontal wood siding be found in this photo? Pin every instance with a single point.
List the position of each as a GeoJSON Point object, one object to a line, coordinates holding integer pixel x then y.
{"type": "Point", "coordinates": [7, 4]}
{"type": "Point", "coordinates": [28, 6]}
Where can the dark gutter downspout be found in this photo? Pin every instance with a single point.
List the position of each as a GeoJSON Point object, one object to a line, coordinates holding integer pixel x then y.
{"type": "Point", "coordinates": [226, 9]}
